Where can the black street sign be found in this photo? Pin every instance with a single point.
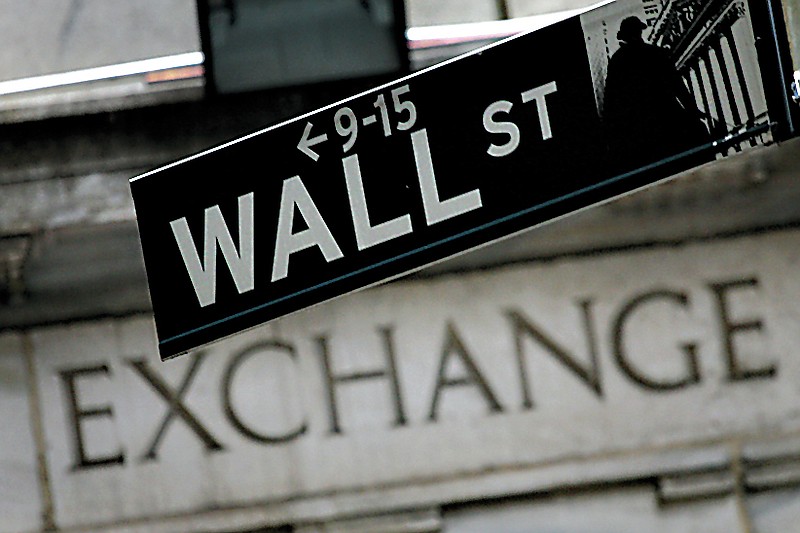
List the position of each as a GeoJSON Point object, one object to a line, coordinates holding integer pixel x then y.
{"type": "Point", "coordinates": [454, 157]}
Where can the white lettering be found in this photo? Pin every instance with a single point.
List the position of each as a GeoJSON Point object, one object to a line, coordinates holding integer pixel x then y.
{"type": "Point", "coordinates": [508, 128]}
{"type": "Point", "coordinates": [240, 264]}
{"type": "Point", "coordinates": [286, 243]}
{"type": "Point", "coordinates": [437, 210]}
{"type": "Point", "coordinates": [539, 94]}
{"type": "Point", "coordinates": [368, 235]}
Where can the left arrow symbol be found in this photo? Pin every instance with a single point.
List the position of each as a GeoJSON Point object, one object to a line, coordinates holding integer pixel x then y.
{"type": "Point", "coordinates": [306, 142]}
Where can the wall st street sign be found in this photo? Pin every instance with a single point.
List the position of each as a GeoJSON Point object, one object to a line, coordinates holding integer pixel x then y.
{"type": "Point", "coordinates": [454, 157]}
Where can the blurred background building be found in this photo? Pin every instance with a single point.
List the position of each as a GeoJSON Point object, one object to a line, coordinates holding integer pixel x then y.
{"type": "Point", "coordinates": [630, 368]}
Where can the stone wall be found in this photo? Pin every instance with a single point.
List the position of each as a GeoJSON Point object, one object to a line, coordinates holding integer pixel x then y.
{"type": "Point", "coordinates": [654, 389]}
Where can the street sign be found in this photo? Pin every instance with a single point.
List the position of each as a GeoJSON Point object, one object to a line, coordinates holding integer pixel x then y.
{"type": "Point", "coordinates": [454, 157]}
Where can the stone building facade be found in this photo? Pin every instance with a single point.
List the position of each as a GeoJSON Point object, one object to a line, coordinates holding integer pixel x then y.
{"type": "Point", "coordinates": [629, 368]}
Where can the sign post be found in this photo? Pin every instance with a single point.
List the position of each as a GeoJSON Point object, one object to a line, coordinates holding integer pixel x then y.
{"type": "Point", "coordinates": [451, 158]}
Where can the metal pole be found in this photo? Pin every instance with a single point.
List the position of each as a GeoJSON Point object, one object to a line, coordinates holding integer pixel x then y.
{"type": "Point", "coordinates": [502, 9]}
